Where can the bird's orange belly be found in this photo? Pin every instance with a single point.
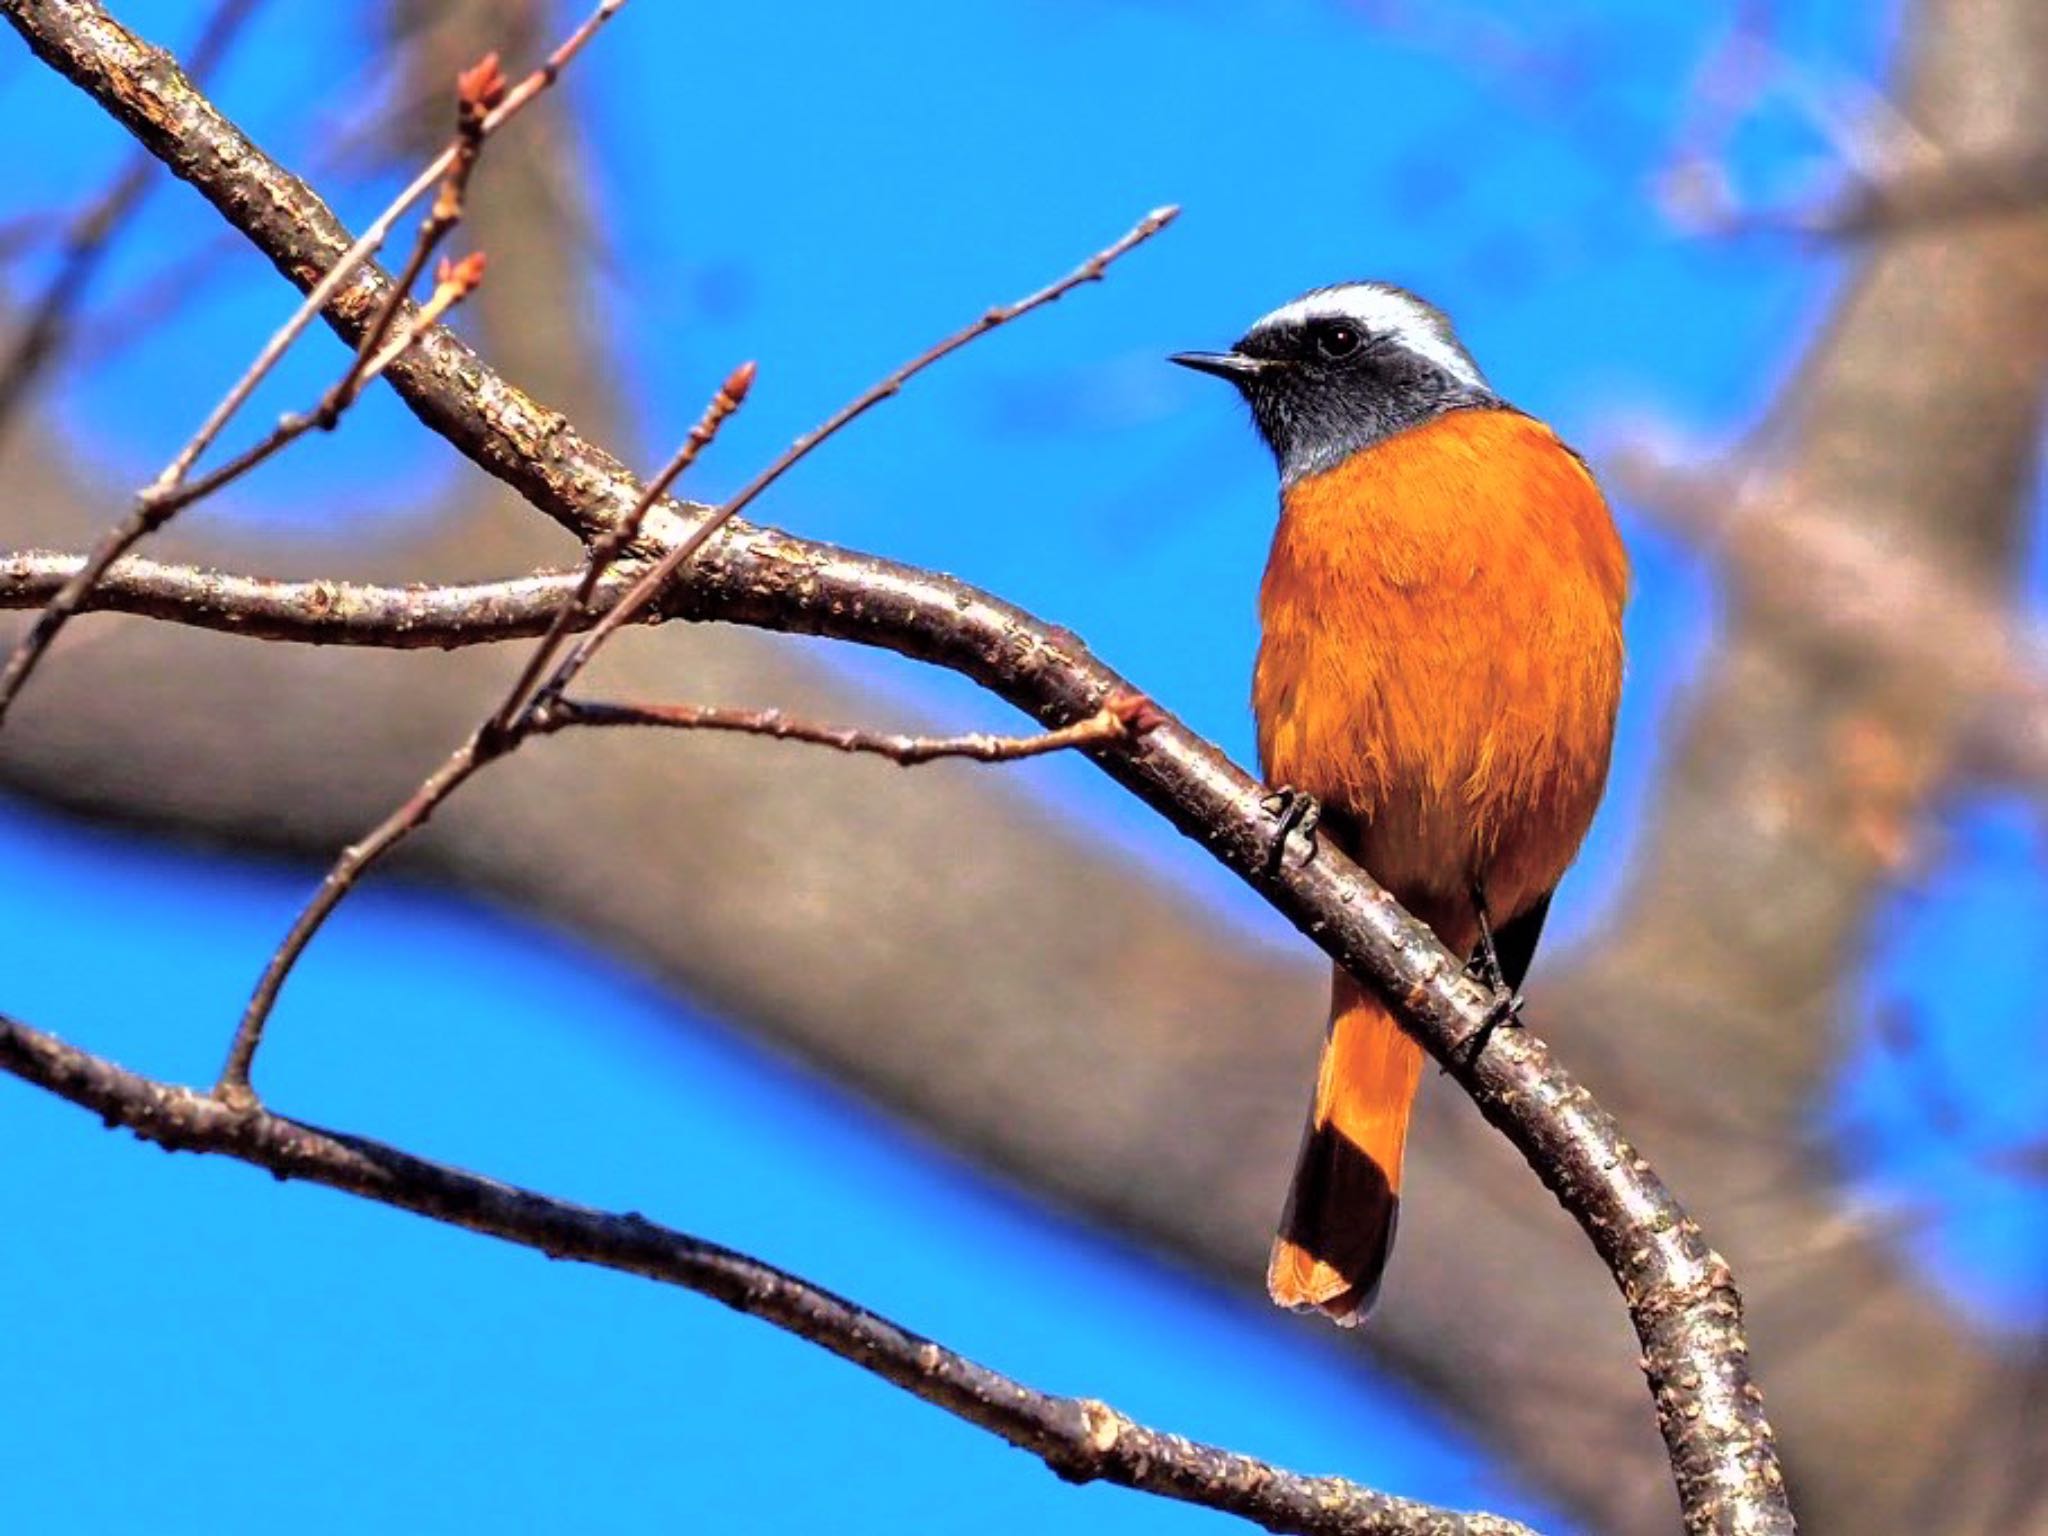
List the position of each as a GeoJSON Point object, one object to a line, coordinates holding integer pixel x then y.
{"type": "Point", "coordinates": [1436, 785]}
{"type": "Point", "coordinates": [1440, 661]}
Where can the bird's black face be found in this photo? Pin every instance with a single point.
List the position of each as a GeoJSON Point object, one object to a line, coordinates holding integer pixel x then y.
{"type": "Point", "coordinates": [1343, 369]}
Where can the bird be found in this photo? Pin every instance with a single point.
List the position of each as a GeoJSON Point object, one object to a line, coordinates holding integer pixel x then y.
{"type": "Point", "coordinates": [1439, 669]}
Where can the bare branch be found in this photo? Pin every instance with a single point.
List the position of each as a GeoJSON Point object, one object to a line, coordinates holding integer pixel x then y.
{"type": "Point", "coordinates": [607, 549]}
{"type": "Point", "coordinates": [1882, 597]}
{"type": "Point", "coordinates": [1079, 1439]}
{"type": "Point", "coordinates": [92, 234]}
{"type": "Point", "coordinates": [650, 585]}
{"type": "Point", "coordinates": [454, 283]}
{"type": "Point", "coordinates": [1680, 1294]}
{"type": "Point", "coordinates": [1117, 720]}
{"type": "Point", "coordinates": [143, 88]}
{"type": "Point", "coordinates": [359, 253]}
{"type": "Point", "coordinates": [1958, 187]}
{"type": "Point", "coordinates": [501, 732]}
{"type": "Point", "coordinates": [1897, 176]}
{"type": "Point", "coordinates": [157, 505]}
{"type": "Point", "coordinates": [477, 90]}
{"type": "Point", "coordinates": [440, 617]}
{"type": "Point", "coordinates": [460, 765]}
{"type": "Point", "coordinates": [510, 724]}
{"type": "Point", "coordinates": [1948, 191]}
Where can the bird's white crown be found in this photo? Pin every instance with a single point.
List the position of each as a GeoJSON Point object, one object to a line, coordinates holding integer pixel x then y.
{"type": "Point", "coordinates": [1381, 309]}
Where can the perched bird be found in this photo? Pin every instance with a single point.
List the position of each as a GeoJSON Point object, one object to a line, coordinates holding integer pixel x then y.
{"type": "Point", "coordinates": [1439, 666]}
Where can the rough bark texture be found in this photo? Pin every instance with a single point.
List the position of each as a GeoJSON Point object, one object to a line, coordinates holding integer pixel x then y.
{"type": "Point", "coordinates": [1166, 1059]}
{"type": "Point", "coordinates": [1080, 1439]}
{"type": "Point", "coordinates": [1680, 1295]}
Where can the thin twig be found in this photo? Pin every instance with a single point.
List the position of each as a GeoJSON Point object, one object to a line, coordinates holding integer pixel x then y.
{"type": "Point", "coordinates": [1080, 1439]}
{"type": "Point", "coordinates": [1123, 717]}
{"type": "Point", "coordinates": [372, 239]}
{"type": "Point", "coordinates": [484, 105]}
{"type": "Point", "coordinates": [513, 720]}
{"type": "Point", "coordinates": [501, 732]}
{"type": "Point", "coordinates": [607, 549]}
{"type": "Point", "coordinates": [153, 509]}
{"type": "Point", "coordinates": [477, 91]}
{"type": "Point", "coordinates": [92, 234]}
{"type": "Point", "coordinates": [650, 585]}
{"type": "Point", "coordinates": [1681, 1297]}
{"type": "Point", "coordinates": [455, 281]}
{"type": "Point", "coordinates": [233, 1087]}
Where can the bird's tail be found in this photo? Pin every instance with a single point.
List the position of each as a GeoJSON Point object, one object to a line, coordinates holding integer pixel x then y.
{"type": "Point", "coordinates": [1338, 1227]}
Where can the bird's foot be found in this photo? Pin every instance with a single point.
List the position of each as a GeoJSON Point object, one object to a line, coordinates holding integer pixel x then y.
{"type": "Point", "coordinates": [1504, 1012]}
{"type": "Point", "coordinates": [1298, 815]}
{"type": "Point", "coordinates": [1484, 967]}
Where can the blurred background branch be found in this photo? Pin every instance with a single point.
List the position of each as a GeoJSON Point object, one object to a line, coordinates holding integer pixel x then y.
{"type": "Point", "coordinates": [44, 330]}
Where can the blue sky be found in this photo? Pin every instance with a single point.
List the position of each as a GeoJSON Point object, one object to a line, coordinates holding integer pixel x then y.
{"type": "Point", "coordinates": [826, 188]}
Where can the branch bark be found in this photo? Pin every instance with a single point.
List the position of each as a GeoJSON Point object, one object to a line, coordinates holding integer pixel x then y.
{"type": "Point", "coordinates": [1080, 1439]}
{"type": "Point", "coordinates": [1800, 786]}
{"type": "Point", "coordinates": [415, 616]}
{"type": "Point", "coordinates": [134, 729]}
{"type": "Point", "coordinates": [1680, 1295]}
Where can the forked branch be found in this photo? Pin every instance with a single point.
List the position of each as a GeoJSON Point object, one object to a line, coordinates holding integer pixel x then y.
{"type": "Point", "coordinates": [1680, 1295]}
{"type": "Point", "coordinates": [1080, 1439]}
{"type": "Point", "coordinates": [514, 720]}
{"type": "Point", "coordinates": [483, 105]}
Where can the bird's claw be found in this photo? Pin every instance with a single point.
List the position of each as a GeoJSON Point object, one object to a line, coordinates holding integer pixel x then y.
{"type": "Point", "coordinates": [1504, 1012]}
{"type": "Point", "coordinates": [1298, 815]}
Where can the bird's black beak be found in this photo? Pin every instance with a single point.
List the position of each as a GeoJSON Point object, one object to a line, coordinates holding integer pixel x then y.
{"type": "Point", "coordinates": [1234, 366]}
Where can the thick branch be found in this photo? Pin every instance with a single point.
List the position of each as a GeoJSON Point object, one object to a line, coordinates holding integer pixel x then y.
{"type": "Point", "coordinates": [441, 378]}
{"type": "Point", "coordinates": [49, 323]}
{"type": "Point", "coordinates": [1080, 1439]}
{"type": "Point", "coordinates": [1798, 788]}
{"type": "Point", "coordinates": [1680, 1294]}
{"type": "Point", "coordinates": [441, 616]}
{"type": "Point", "coordinates": [1827, 578]}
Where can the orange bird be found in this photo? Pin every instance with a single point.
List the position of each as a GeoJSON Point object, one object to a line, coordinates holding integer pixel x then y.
{"type": "Point", "coordinates": [1438, 671]}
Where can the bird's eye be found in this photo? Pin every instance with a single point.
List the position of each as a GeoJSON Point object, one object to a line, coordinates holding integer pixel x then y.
{"type": "Point", "coordinates": [1335, 339]}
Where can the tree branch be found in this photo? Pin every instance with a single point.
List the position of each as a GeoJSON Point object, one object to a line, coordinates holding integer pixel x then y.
{"type": "Point", "coordinates": [1114, 721]}
{"type": "Point", "coordinates": [447, 170]}
{"type": "Point", "coordinates": [482, 103]}
{"type": "Point", "coordinates": [500, 732]}
{"type": "Point", "coordinates": [507, 727]}
{"type": "Point", "coordinates": [413, 617]}
{"type": "Point", "coordinates": [1080, 1439]}
{"type": "Point", "coordinates": [89, 237]}
{"type": "Point", "coordinates": [143, 88]}
{"type": "Point", "coordinates": [1798, 788]}
{"type": "Point", "coordinates": [1680, 1294]}
{"type": "Point", "coordinates": [1869, 596]}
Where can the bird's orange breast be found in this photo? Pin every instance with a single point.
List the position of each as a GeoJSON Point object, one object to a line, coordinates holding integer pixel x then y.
{"type": "Point", "coordinates": [1441, 657]}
